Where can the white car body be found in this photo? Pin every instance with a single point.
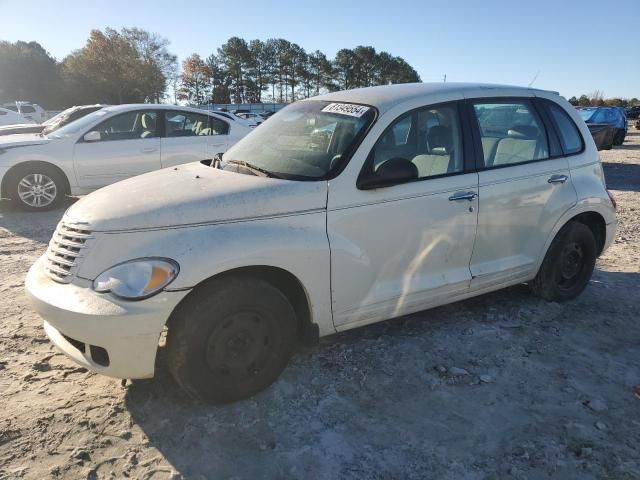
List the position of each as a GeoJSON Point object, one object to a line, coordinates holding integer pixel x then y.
{"type": "Point", "coordinates": [359, 255]}
{"type": "Point", "coordinates": [89, 165]}
{"type": "Point", "coordinates": [9, 117]}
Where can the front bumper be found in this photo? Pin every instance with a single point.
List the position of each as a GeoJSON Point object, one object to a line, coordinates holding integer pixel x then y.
{"type": "Point", "coordinates": [74, 315]}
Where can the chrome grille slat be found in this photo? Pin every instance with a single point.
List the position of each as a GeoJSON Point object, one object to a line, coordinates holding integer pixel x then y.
{"type": "Point", "coordinates": [64, 251]}
{"type": "Point", "coordinates": [61, 260]}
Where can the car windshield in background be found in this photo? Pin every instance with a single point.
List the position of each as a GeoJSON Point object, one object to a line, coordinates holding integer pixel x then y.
{"type": "Point", "coordinates": [303, 141]}
{"type": "Point", "coordinates": [76, 126]}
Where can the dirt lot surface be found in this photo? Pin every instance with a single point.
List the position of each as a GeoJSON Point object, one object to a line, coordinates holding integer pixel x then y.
{"type": "Point", "coordinates": [501, 386]}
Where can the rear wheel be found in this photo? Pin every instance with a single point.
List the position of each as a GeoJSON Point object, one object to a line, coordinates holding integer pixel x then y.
{"type": "Point", "coordinates": [36, 187]}
{"type": "Point", "coordinates": [619, 138]}
{"type": "Point", "coordinates": [568, 265]}
{"type": "Point", "coordinates": [229, 340]}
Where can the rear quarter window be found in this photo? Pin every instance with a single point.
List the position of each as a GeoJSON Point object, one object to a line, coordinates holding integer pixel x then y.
{"type": "Point", "coordinates": [570, 137]}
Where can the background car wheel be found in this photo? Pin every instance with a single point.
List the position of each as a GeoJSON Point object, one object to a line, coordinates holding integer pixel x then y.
{"type": "Point", "coordinates": [568, 265]}
{"type": "Point", "coordinates": [229, 340]}
{"type": "Point", "coordinates": [619, 138]}
{"type": "Point", "coordinates": [36, 188]}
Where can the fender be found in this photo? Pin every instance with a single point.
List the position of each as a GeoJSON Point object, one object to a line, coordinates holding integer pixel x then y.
{"type": "Point", "coordinates": [602, 207]}
{"type": "Point", "coordinates": [206, 251]}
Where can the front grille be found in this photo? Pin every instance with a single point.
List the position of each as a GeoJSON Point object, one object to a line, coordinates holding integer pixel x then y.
{"type": "Point", "coordinates": [66, 248]}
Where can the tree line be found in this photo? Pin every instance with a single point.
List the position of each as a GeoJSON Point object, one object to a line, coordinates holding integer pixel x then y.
{"type": "Point", "coordinates": [113, 67]}
{"type": "Point", "coordinates": [135, 66]}
{"type": "Point", "coordinates": [280, 71]}
{"type": "Point", "coordinates": [596, 99]}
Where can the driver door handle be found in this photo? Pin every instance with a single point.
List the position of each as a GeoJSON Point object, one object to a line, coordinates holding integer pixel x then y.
{"type": "Point", "coordinates": [149, 150]}
{"type": "Point", "coordinates": [557, 179]}
{"type": "Point", "coordinates": [463, 196]}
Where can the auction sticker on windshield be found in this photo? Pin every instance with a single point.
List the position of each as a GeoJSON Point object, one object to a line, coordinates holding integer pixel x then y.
{"type": "Point", "coordinates": [346, 109]}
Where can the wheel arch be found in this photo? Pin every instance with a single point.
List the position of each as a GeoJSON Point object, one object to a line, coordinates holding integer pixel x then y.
{"type": "Point", "coordinates": [15, 169]}
{"type": "Point", "coordinates": [283, 280]}
{"type": "Point", "coordinates": [591, 218]}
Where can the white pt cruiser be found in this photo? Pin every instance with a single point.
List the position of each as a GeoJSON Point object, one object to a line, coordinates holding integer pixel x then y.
{"type": "Point", "coordinates": [340, 211]}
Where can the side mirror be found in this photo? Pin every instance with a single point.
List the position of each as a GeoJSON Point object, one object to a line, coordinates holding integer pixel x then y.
{"type": "Point", "coordinates": [392, 172]}
{"type": "Point", "coordinates": [92, 137]}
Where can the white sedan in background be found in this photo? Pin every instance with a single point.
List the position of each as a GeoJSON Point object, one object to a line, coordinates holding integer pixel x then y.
{"type": "Point", "coordinates": [9, 117]}
{"type": "Point", "coordinates": [106, 146]}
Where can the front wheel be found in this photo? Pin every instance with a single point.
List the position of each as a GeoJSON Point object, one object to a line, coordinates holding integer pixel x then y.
{"type": "Point", "coordinates": [568, 265]}
{"type": "Point", "coordinates": [36, 188]}
{"type": "Point", "coordinates": [230, 339]}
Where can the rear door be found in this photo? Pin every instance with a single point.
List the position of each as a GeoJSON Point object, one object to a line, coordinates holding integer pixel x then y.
{"type": "Point", "coordinates": [191, 137]}
{"type": "Point", "coordinates": [524, 188]}
{"type": "Point", "coordinates": [129, 145]}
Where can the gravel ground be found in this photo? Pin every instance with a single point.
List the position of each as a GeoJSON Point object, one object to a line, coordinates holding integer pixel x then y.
{"type": "Point", "coordinates": [500, 386]}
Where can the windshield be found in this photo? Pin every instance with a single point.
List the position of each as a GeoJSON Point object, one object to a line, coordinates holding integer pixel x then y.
{"type": "Point", "coordinates": [303, 141]}
{"type": "Point", "coordinates": [78, 125]}
{"type": "Point", "coordinates": [58, 117]}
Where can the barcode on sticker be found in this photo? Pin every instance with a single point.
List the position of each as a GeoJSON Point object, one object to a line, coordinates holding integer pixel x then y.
{"type": "Point", "coordinates": [346, 109]}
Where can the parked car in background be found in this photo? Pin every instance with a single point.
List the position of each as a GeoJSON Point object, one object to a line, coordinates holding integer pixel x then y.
{"type": "Point", "coordinates": [9, 117]}
{"type": "Point", "coordinates": [607, 116]}
{"type": "Point", "coordinates": [106, 146]}
{"type": "Point", "coordinates": [236, 118]}
{"type": "Point", "coordinates": [290, 238]}
{"type": "Point", "coordinates": [60, 120]}
{"type": "Point", "coordinates": [252, 117]}
{"type": "Point", "coordinates": [633, 112]}
{"type": "Point", "coordinates": [31, 111]}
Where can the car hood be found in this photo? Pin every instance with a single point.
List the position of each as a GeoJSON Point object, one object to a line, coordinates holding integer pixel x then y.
{"type": "Point", "coordinates": [192, 194]}
{"type": "Point", "coordinates": [22, 140]}
{"type": "Point", "coordinates": [18, 125]}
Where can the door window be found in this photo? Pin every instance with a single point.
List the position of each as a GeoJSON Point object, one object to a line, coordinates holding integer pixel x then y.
{"type": "Point", "coordinates": [430, 138]}
{"type": "Point", "coordinates": [129, 126]}
{"type": "Point", "coordinates": [186, 124]}
{"type": "Point", "coordinates": [511, 133]}
{"type": "Point", "coordinates": [27, 109]}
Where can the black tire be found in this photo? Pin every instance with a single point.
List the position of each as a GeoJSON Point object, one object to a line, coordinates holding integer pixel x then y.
{"type": "Point", "coordinates": [619, 138]}
{"type": "Point", "coordinates": [568, 265]}
{"type": "Point", "coordinates": [230, 339]}
{"type": "Point", "coordinates": [52, 184]}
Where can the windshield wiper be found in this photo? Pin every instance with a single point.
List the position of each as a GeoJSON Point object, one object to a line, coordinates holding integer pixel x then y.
{"type": "Point", "coordinates": [254, 168]}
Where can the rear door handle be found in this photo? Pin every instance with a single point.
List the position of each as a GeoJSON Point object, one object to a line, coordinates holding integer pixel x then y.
{"type": "Point", "coordinates": [463, 196]}
{"type": "Point", "coordinates": [149, 150]}
{"type": "Point", "coordinates": [557, 179]}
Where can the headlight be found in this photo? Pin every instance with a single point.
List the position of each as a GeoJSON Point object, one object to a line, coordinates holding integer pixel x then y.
{"type": "Point", "coordinates": [137, 279]}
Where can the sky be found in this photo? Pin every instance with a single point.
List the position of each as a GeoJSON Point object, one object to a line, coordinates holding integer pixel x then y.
{"type": "Point", "coordinates": [570, 46]}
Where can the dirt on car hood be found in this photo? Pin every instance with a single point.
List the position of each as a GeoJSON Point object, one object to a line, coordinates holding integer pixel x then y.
{"type": "Point", "coordinates": [192, 194]}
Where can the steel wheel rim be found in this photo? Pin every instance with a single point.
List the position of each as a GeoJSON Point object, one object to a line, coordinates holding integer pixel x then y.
{"type": "Point", "coordinates": [37, 190]}
{"type": "Point", "coordinates": [572, 264]}
{"type": "Point", "coordinates": [239, 349]}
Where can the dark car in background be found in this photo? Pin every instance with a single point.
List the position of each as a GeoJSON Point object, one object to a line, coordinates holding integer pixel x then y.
{"type": "Point", "coordinates": [60, 120]}
{"type": "Point", "coordinates": [633, 112]}
{"type": "Point", "coordinates": [608, 125]}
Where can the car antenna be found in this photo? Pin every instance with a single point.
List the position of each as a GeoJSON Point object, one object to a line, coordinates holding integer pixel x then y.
{"type": "Point", "coordinates": [535, 77]}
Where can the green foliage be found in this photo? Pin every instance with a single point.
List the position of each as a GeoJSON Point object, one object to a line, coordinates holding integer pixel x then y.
{"type": "Point", "coordinates": [281, 71]}
{"type": "Point", "coordinates": [28, 72]}
{"type": "Point", "coordinates": [132, 65]}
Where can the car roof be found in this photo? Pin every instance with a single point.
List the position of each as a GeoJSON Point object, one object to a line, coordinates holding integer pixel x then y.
{"type": "Point", "coordinates": [154, 106]}
{"type": "Point", "coordinates": [385, 96]}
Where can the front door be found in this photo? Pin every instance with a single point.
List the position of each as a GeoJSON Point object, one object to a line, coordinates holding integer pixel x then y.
{"type": "Point", "coordinates": [403, 248]}
{"type": "Point", "coordinates": [128, 145]}
{"type": "Point", "coordinates": [524, 188]}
